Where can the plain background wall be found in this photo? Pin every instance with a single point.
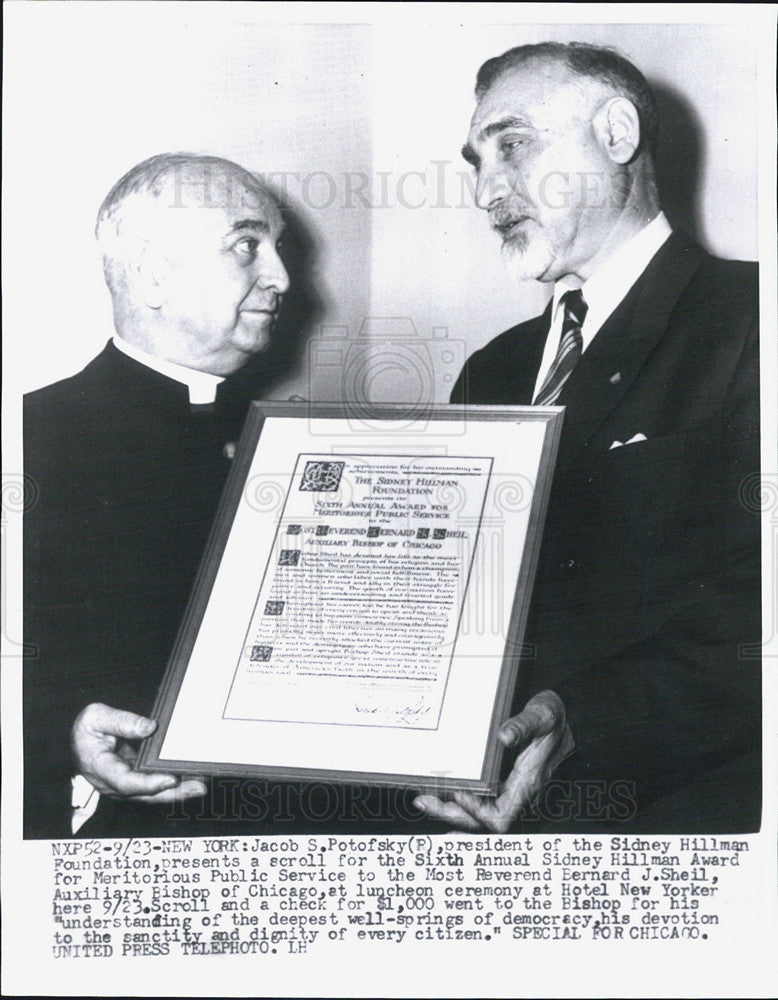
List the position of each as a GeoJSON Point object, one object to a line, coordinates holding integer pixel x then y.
{"type": "Point", "coordinates": [366, 123]}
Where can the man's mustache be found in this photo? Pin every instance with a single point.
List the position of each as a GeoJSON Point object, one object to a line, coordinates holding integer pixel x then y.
{"type": "Point", "coordinates": [502, 217]}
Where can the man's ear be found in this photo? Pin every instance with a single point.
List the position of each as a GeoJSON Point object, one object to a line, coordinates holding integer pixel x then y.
{"type": "Point", "coordinates": [146, 269]}
{"type": "Point", "coordinates": [617, 125]}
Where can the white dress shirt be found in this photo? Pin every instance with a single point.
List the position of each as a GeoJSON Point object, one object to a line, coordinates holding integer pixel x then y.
{"type": "Point", "coordinates": [202, 389]}
{"type": "Point", "coordinates": [605, 289]}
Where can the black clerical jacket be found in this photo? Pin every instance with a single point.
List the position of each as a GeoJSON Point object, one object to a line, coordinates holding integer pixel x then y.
{"type": "Point", "coordinates": [128, 477]}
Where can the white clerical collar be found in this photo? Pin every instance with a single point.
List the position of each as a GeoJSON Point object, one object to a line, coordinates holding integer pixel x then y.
{"type": "Point", "coordinates": [609, 284]}
{"type": "Point", "coordinates": [202, 385]}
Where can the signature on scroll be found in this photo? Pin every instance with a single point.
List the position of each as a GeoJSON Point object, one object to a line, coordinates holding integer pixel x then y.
{"type": "Point", "coordinates": [408, 715]}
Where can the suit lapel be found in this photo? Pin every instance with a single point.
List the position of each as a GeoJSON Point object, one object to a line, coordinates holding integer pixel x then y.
{"type": "Point", "coordinates": [521, 368]}
{"type": "Point", "coordinates": [613, 360]}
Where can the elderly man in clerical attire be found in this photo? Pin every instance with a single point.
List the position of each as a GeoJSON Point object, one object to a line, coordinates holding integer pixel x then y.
{"type": "Point", "coordinates": [129, 458]}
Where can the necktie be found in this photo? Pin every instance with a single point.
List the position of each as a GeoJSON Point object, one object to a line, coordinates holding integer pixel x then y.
{"type": "Point", "coordinates": [570, 348]}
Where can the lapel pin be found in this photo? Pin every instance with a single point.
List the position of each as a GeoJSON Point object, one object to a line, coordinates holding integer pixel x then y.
{"type": "Point", "coordinates": [615, 378]}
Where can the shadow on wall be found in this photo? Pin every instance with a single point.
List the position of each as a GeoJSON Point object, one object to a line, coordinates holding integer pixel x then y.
{"type": "Point", "coordinates": [680, 160]}
{"type": "Point", "coordinates": [680, 163]}
{"type": "Point", "coordinates": [302, 307]}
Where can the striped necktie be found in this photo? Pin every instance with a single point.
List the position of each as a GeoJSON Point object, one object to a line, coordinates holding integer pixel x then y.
{"type": "Point", "coordinates": [570, 349]}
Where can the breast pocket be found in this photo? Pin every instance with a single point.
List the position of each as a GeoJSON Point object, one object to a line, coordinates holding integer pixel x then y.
{"type": "Point", "coordinates": [633, 535]}
{"type": "Point", "coordinates": [651, 511]}
{"type": "Point", "coordinates": [667, 473]}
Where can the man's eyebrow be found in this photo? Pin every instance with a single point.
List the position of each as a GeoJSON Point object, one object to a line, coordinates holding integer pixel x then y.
{"type": "Point", "coordinates": [256, 224]}
{"type": "Point", "coordinates": [494, 128]}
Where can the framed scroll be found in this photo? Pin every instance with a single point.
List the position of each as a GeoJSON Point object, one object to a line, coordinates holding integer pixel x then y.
{"type": "Point", "coordinates": [360, 606]}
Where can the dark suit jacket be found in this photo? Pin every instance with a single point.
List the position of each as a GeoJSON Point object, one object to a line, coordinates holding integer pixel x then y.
{"type": "Point", "coordinates": [129, 476]}
{"type": "Point", "coordinates": [648, 587]}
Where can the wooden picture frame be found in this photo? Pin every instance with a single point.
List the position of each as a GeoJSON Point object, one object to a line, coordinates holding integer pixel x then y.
{"type": "Point", "coordinates": [360, 607]}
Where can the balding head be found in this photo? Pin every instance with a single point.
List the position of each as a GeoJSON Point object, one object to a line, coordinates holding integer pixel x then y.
{"type": "Point", "coordinates": [189, 255]}
{"type": "Point", "coordinates": [139, 204]}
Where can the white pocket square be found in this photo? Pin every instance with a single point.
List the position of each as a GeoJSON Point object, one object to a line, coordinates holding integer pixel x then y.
{"type": "Point", "coordinates": [632, 440]}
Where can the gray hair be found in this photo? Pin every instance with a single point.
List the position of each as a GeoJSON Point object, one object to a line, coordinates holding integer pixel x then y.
{"type": "Point", "coordinates": [128, 207]}
{"type": "Point", "coordinates": [594, 61]}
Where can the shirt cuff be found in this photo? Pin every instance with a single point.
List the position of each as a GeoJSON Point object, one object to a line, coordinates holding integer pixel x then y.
{"type": "Point", "coordinates": [84, 799]}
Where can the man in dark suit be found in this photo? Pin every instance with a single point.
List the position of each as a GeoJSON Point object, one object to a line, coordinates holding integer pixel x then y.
{"type": "Point", "coordinates": [129, 458]}
{"type": "Point", "coordinates": [639, 705]}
